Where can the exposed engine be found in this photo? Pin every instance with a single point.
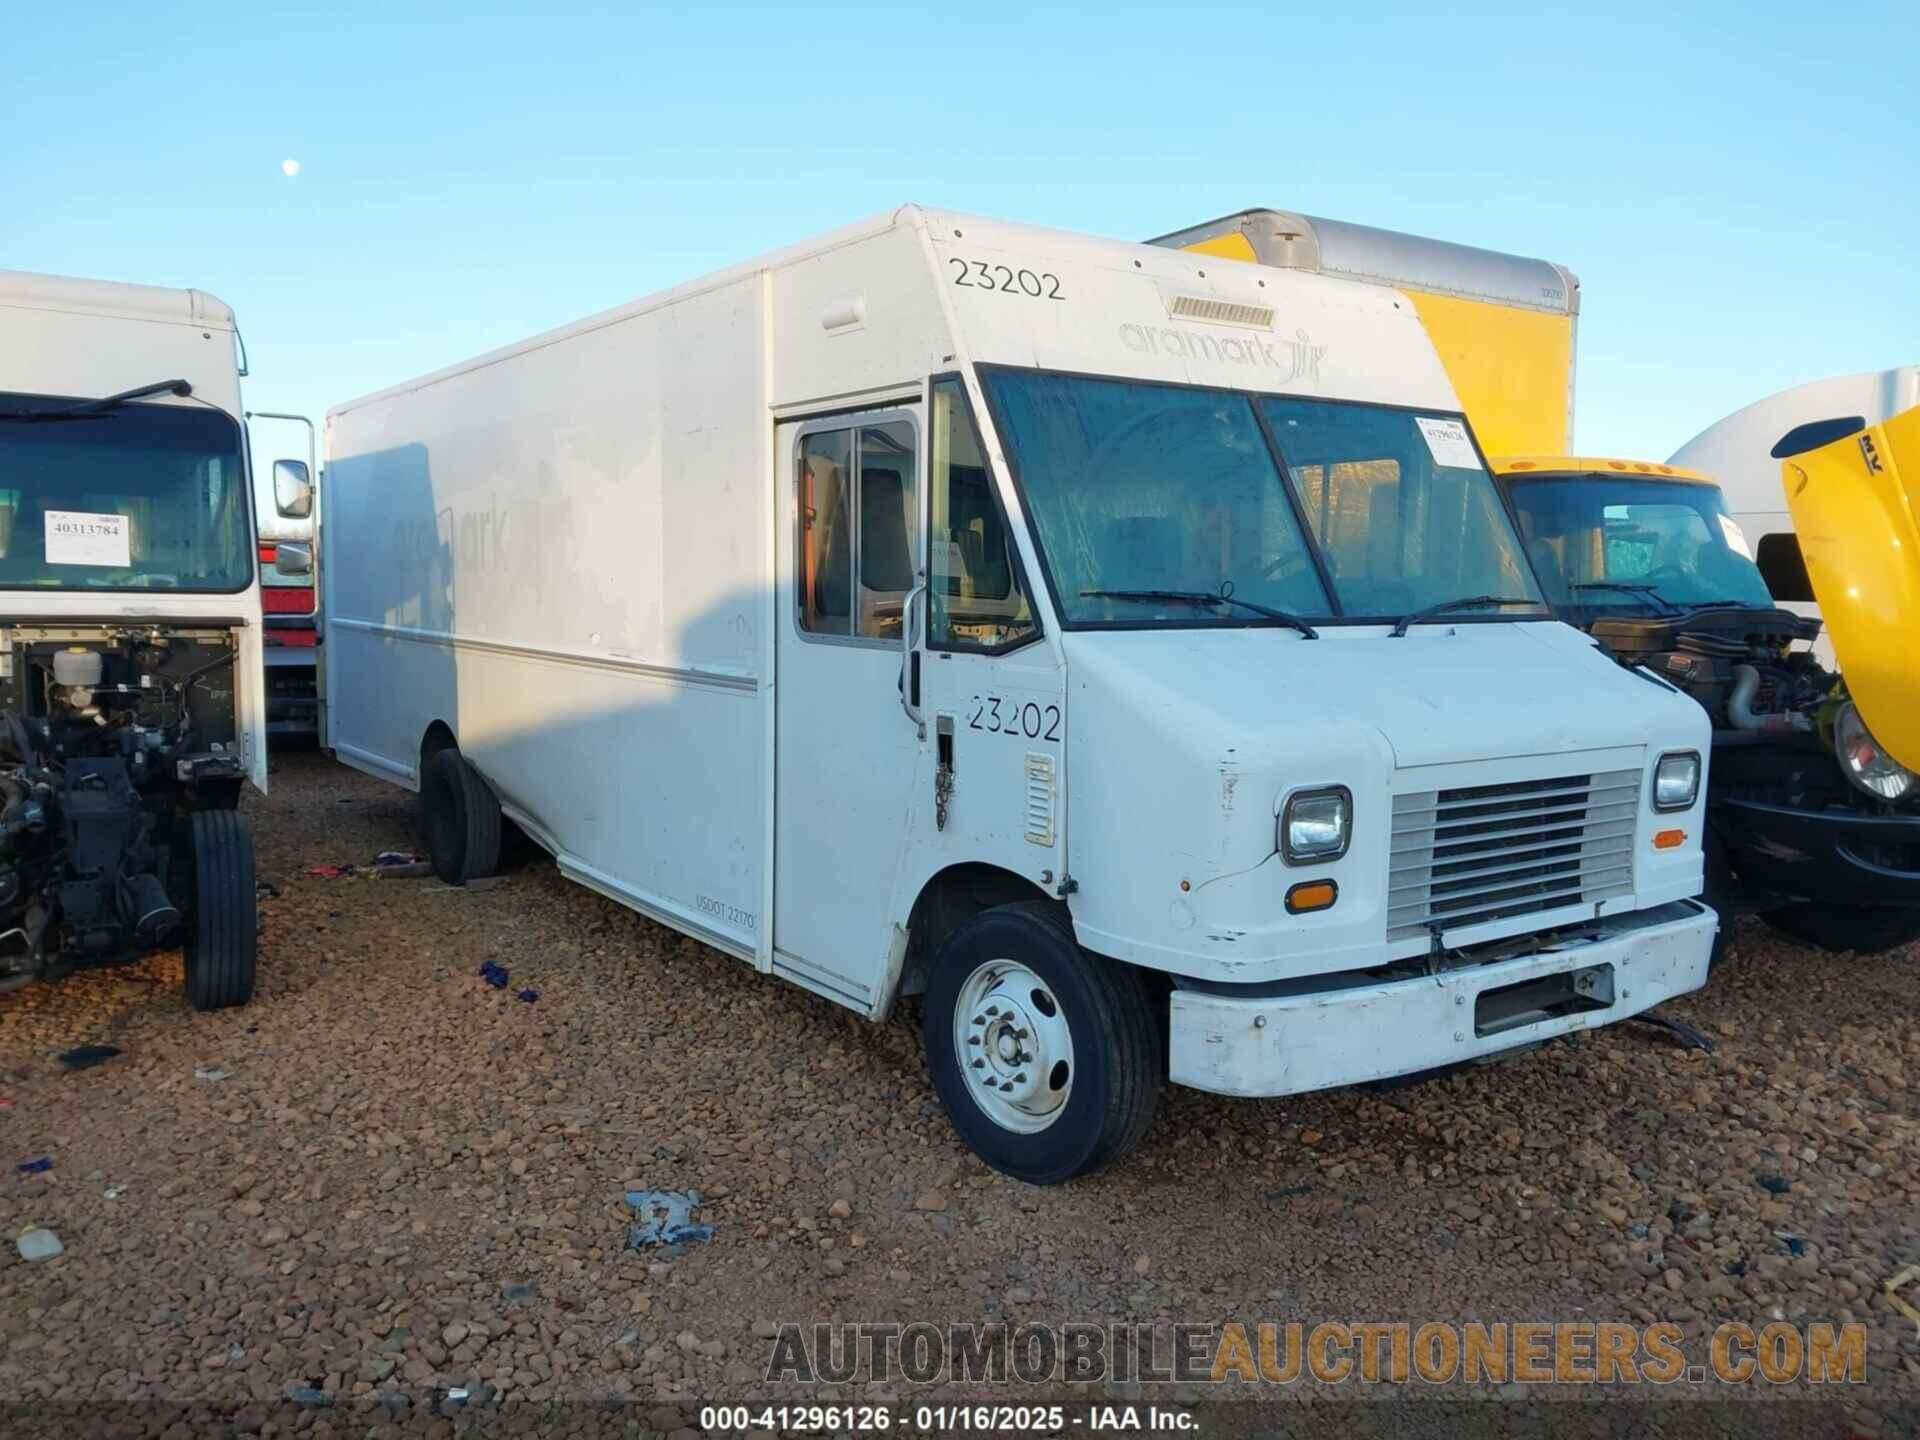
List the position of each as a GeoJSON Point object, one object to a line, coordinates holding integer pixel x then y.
{"type": "Point", "coordinates": [1738, 663]}
{"type": "Point", "coordinates": [107, 737]}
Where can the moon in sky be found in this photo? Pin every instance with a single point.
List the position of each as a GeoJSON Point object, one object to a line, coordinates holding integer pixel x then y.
{"type": "Point", "coordinates": [289, 168]}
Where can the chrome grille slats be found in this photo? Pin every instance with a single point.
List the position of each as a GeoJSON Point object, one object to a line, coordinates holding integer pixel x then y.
{"type": "Point", "coordinates": [1473, 854]}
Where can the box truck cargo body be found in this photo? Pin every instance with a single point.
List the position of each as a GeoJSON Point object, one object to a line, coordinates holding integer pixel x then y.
{"type": "Point", "coordinates": [1506, 326]}
{"type": "Point", "coordinates": [1127, 652]}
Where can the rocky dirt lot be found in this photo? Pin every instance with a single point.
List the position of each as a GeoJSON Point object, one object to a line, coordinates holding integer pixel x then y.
{"type": "Point", "coordinates": [405, 1180]}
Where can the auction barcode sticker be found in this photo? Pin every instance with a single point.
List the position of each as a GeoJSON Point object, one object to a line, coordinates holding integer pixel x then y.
{"type": "Point", "coordinates": [75, 537]}
{"type": "Point", "coordinates": [1448, 443]}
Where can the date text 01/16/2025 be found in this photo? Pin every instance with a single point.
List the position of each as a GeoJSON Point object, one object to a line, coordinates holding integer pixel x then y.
{"type": "Point", "coordinates": [949, 1419]}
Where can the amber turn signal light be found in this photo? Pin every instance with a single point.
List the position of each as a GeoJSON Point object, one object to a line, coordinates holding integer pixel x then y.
{"type": "Point", "coordinates": [1311, 895]}
{"type": "Point", "coordinates": [1669, 839]}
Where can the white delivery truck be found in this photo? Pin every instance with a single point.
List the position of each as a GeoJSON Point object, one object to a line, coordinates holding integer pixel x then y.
{"type": "Point", "coordinates": [1126, 650]}
{"type": "Point", "coordinates": [132, 704]}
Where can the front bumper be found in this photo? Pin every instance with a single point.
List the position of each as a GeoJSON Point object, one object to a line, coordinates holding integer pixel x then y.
{"type": "Point", "coordinates": [1836, 857]}
{"type": "Point", "coordinates": [1339, 1030]}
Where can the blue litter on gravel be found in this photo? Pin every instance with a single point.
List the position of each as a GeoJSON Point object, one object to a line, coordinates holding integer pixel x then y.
{"type": "Point", "coordinates": [36, 1167]}
{"type": "Point", "coordinates": [495, 974]}
{"type": "Point", "coordinates": [529, 996]}
{"type": "Point", "coordinates": [666, 1218]}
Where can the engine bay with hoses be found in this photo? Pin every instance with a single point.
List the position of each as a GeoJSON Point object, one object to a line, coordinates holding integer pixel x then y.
{"type": "Point", "coordinates": [110, 735]}
{"type": "Point", "coordinates": [1785, 731]}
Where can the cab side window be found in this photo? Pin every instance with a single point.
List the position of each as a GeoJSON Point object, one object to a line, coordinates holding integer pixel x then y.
{"type": "Point", "coordinates": [858, 528]}
{"type": "Point", "coordinates": [977, 594]}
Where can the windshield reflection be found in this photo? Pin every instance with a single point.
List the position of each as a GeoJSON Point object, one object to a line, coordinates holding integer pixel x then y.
{"type": "Point", "coordinates": [1144, 496]}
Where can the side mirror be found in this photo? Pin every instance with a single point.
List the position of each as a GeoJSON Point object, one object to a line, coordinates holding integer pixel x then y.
{"type": "Point", "coordinates": [292, 489]}
{"type": "Point", "coordinates": [293, 557]}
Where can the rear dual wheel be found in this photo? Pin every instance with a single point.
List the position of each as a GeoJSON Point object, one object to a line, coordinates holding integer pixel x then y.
{"type": "Point", "coordinates": [460, 819]}
{"type": "Point", "coordinates": [1047, 1059]}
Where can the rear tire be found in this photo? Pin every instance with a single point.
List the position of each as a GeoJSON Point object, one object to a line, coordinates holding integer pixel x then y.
{"type": "Point", "coordinates": [1073, 1033]}
{"type": "Point", "coordinates": [223, 934]}
{"type": "Point", "coordinates": [462, 819]}
{"type": "Point", "coordinates": [1860, 929]}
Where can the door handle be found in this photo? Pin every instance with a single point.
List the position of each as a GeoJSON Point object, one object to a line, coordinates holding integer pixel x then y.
{"type": "Point", "coordinates": [909, 658]}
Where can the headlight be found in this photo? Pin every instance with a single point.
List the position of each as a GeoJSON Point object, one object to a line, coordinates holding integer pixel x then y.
{"type": "Point", "coordinates": [1316, 825]}
{"type": "Point", "coordinates": [1866, 764]}
{"type": "Point", "coordinates": [1676, 781]}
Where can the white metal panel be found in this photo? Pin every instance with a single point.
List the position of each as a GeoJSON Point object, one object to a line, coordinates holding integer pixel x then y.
{"type": "Point", "coordinates": [1203, 734]}
{"type": "Point", "coordinates": [1106, 307]}
{"type": "Point", "coordinates": [1736, 451]}
{"type": "Point", "coordinates": [1286, 1045]}
{"type": "Point", "coordinates": [90, 353]}
{"type": "Point", "coordinates": [559, 555]}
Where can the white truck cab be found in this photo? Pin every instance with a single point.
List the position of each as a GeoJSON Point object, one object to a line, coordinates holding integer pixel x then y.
{"type": "Point", "coordinates": [131, 700]}
{"type": "Point", "coordinates": [1126, 650]}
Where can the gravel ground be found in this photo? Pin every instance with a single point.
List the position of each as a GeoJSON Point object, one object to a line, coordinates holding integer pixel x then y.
{"type": "Point", "coordinates": [408, 1180]}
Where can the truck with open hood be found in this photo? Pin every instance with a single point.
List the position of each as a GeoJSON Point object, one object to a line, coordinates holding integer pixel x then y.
{"type": "Point", "coordinates": [131, 695]}
{"type": "Point", "coordinates": [1813, 823]}
{"type": "Point", "coordinates": [1125, 652]}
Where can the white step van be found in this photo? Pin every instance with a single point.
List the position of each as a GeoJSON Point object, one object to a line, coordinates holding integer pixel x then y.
{"type": "Point", "coordinates": [1124, 649]}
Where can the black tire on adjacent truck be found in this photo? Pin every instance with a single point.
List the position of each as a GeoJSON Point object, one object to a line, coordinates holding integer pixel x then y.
{"type": "Point", "coordinates": [223, 925]}
{"type": "Point", "coordinates": [462, 819]}
{"type": "Point", "coordinates": [1861, 929]}
{"type": "Point", "coordinates": [1048, 1060]}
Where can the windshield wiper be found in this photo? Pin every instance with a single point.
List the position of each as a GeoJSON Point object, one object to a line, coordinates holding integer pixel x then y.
{"type": "Point", "coordinates": [1465, 602]}
{"type": "Point", "coordinates": [1224, 596]}
{"type": "Point", "coordinates": [106, 404]}
{"type": "Point", "coordinates": [1652, 592]}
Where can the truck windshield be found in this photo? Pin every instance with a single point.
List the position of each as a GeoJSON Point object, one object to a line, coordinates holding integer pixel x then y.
{"type": "Point", "coordinates": [1140, 493]}
{"type": "Point", "coordinates": [1604, 543]}
{"type": "Point", "coordinates": [139, 497]}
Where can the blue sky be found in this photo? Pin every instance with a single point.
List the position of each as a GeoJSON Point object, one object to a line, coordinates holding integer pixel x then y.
{"type": "Point", "coordinates": [1734, 184]}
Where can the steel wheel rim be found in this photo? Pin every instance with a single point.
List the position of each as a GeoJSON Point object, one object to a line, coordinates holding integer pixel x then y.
{"type": "Point", "coordinates": [1013, 1046]}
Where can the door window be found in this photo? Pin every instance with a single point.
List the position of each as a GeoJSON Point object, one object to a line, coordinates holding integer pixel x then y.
{"type": "Point", "coordinates": [858, 528]}
{"type": "Point", "coordinates": [977, 595]}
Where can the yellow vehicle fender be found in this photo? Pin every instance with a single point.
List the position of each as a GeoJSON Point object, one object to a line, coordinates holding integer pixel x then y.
{"type": "Point", "coordinates": [1856, 508]}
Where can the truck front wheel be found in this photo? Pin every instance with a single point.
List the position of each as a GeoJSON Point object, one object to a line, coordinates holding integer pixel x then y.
{"type": "Point", "coordinates": [1047, 1058]}
{"type": "Point", "coordinates": [462, 819]}
{"type": "Point", "coordinates": [223, 937]}
{"type": "Point", "coordinates": [1862, 929]}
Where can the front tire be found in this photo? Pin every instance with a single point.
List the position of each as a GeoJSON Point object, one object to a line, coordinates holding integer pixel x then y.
{"type": "Point", "coordinates": [1047, 1059]}
{"type": "Point", "coordinates": [223, 936]}
{"type": "Point", "coordinates": [1861, 929]}
{"type": "Point", "coordinates": [462, 819]}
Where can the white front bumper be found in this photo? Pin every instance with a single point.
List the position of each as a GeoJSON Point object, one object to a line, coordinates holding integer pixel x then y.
{"type": "Point", "coordinates": [1316, 1038]}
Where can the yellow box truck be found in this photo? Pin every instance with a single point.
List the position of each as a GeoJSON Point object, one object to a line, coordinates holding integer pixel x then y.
{"type": "Point", "coordinates": [1505, 325]}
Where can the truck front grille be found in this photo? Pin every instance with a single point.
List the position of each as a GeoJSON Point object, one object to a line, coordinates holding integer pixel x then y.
{"type": "Point", "coordinates": [1490, 852]}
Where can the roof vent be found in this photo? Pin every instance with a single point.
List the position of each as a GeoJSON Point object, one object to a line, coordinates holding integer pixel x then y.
{"type": "Point", "coordinates": [1221, 312]}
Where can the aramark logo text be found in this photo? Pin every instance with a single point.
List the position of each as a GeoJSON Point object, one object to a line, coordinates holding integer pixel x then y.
{"type": "Point", "coordinates": [1296, 359]}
